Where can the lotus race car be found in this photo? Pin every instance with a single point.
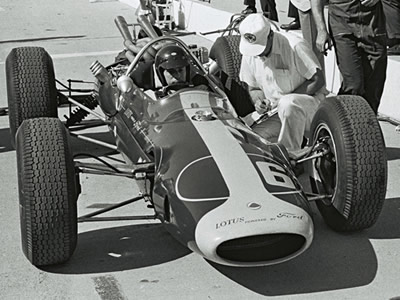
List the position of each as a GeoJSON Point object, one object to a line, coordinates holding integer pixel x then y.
{"type": "Point", "coordinates": [220, 189]}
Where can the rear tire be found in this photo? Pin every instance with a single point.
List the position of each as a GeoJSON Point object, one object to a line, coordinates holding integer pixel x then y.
{"type": "Point", "coordinates": [355, 170]}
{"type": "Point", "coordinates": [225, 51]}
{"type": "Point", "coordinates": [48, 191]}
{"type": "Point", "coordinates": [31, 88]}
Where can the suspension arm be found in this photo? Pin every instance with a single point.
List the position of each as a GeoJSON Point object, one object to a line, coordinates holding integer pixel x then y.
{"type": "Point", "coordinates": [116, 170]}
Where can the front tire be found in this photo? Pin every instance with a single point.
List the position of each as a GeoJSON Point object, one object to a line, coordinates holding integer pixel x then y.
{"type": "Point", "coordinates": [48, 191]}
{"type": "Point", "coordinates": [355, 169]}
{"type": "Point", "coordinates": [31, 88]}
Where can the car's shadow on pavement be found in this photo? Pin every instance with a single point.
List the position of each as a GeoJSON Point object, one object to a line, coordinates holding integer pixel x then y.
{"type": "Point", "coordinates": [117, 248]}
{"type": "Point", "coordinates": [5, 140]}
{"type": "Point", "coordinates": [334, 260]}
{"type": "Point", "coordinates": [121, 248]}
{"type": "Point", "coordinates": [392, 153]}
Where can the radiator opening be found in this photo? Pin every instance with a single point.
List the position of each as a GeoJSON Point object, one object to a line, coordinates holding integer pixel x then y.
{"type": "Point", "coordinates": [266, 247]}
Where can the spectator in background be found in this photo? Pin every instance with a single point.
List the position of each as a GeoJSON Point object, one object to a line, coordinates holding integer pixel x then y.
{"type": "Point", "coordinates": [268, 7]}
{"type": "Point", "coordinates": [392, 12]}
{"type": "Point", "coordinates": [292, 13]}
{"type": "Point", "coordinates": [358, 32]}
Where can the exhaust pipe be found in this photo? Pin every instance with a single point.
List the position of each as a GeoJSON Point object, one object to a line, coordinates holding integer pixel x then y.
{"type": "Point", "coordinates": [123, 28]}
{"type": "Point", "coordinates": [132, 46]}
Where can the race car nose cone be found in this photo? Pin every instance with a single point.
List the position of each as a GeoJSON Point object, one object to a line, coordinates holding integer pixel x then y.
{"type": "Point", "coordinates": [125, 84]}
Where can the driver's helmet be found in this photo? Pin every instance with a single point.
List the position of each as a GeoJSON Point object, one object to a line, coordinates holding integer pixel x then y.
{"type": "Point", "coordinates": [171, 56]}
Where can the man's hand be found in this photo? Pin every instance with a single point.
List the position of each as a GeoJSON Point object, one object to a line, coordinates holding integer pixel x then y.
{"type": "Point", "coordinates": [261, 104]}
{"type": "Point", "coordinates": [369, 3]}
{"type": "Point", "coordinates": [323, 40]}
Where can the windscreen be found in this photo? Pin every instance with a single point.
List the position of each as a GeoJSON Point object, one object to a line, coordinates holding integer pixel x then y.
{"type": "Point", "coordinates": [172, 108]}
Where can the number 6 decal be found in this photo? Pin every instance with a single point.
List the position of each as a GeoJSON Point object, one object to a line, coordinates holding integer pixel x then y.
{"type": "Point", "coordinates": [275, 175]}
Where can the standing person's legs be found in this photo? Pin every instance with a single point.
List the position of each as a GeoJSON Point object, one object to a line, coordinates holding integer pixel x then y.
{"type": "Point", "coordinates": [309, 31]}
{"type": "Point", "coordinates": [350, 65]}
{"type": "Point", "coordinates": [251, 7]}
{"type": "Point", "coordinates": [250, 3]}
{"type": "Point", "coordinates": [374, 62]}
{"type": "Point", "coordinates": [363, 68]}
{"type": "Point", "coordinates": [362, 60]}
{"type": "Point", "coordinates": [391, 9]}
{"type": "Point", "coordinates": [293, 12]}
{"type": "Point", "coordinates": [269, 7]}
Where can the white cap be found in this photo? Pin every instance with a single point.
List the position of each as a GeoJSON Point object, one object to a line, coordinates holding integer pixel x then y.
{"type": "Point", "coordinates": [254, 31]}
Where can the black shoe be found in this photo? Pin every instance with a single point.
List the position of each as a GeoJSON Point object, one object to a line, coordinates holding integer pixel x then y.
{"type": "Point", "coordinates": [291, 26]}
{"type": "Point", "coordinates": [394, 50]}
{"type": "Point", "coordinates": [249, 10]}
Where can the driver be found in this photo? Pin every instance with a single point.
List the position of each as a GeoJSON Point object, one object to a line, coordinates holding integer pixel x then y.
{"type": "Point", "coordinates": [173, 69]}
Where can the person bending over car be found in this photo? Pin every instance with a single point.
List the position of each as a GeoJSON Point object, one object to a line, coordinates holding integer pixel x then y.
{"type": "Point", "coordinates": [282, 72]}
{"type": "Point", "coordinates": [173, 69]}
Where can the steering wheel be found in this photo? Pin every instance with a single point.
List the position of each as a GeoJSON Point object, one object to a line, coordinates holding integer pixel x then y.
{"type": "Point", "coordinates": [176, 87]}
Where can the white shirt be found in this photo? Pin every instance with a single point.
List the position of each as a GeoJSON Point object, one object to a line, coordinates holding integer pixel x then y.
{"type": "Point", "coordinates": [290, 63]}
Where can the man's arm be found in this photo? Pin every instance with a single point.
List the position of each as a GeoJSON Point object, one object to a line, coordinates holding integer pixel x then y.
{"type": "Point", "coordinates": [256, 94]}
{"type": "Point", "coordinates": [312, 85]}
{"type": "Point", "coordinates": [323, 39]}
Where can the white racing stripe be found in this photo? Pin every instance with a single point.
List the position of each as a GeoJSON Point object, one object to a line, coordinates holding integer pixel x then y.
{"type": "Point", "coordinates": [236, 217]}
{"type": "Point", "coordinates": [236, 168]}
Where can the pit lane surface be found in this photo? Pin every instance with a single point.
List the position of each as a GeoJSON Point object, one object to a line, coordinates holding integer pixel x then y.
{"type": "Point", "coordinates": [140, 260]}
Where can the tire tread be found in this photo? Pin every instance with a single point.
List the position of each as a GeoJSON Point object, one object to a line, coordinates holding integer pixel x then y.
{"type": "Point", "coordinates": [366, 164]}
{"type": "Point", "coordinates": [31, 87]}
{"type": "Point", "coordinates": [47, 191]}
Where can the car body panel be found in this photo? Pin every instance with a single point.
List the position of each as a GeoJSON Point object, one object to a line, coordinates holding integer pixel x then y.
{"type": "Point", "coordinates": [211, 185]}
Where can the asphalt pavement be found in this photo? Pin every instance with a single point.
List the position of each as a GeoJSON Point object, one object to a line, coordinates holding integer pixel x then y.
{"type": "Point", "coordinates": [140, 260]}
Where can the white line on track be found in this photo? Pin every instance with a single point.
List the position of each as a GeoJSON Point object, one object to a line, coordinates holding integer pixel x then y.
{"type": "Point", "coordinates": [82, 54]}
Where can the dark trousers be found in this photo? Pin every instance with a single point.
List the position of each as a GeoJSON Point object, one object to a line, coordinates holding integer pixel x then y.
{"type": "Point", "coordinates": [392, 12]}
{"type": "Point", "coordinates": [293, 11]}
{"type": "Point", "coordinates": [359, 37]}
{"type": "Point", "coordinates": [267, 6]}
{"type": "Point", "coordinates": [362, 63]}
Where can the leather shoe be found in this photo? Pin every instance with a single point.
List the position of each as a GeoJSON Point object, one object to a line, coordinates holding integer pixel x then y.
{"type": "Point", "coordinates": [394, 50]}
{"type": "Point", "coordinates": [291, 26]}
{"type": "Point", "coordinates": [249, 10]}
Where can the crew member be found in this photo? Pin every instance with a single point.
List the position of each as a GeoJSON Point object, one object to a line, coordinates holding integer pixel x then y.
{"type": "Point", "coordinates": [358, 33]}
{"type": "Point", "coordinates": [281, 71]}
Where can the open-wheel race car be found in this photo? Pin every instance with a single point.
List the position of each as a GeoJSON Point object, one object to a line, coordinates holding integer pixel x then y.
{"type": "Point", "coordinates": [219, 188]}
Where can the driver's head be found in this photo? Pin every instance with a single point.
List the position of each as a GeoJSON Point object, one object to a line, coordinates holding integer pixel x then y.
{"type": "Point", "coordinates": [172, 65]}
